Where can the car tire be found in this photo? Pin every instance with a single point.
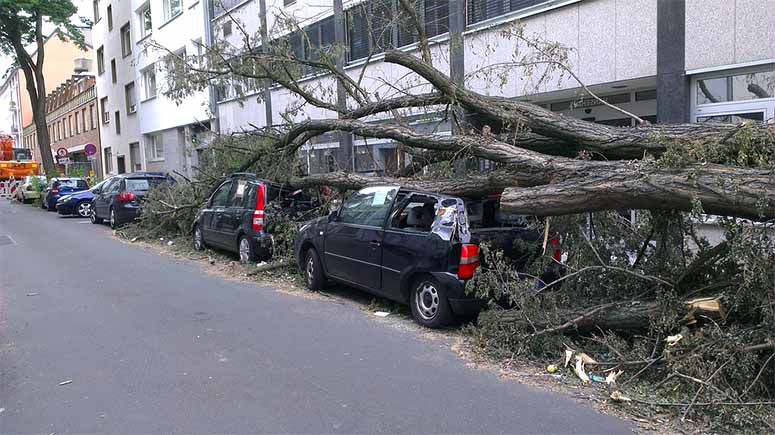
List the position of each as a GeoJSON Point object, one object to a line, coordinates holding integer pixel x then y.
{"type": "Point", "coordinates": [429, 304]}
{"type": "Point", "coordinates": [312, 271]}
{"type": "Point", "coordinates": [246, 250]}
{"type": "Point", "coordinates": [83, 209]}
{"type": "Point", "coordinates": [113, 220]}
{"type": "Point", "coordinates": [199, 239]}
{"type": "Point", "coordinates": [93, 217]}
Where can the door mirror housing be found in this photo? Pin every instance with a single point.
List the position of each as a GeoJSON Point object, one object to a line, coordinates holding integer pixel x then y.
{"type": "Point", "coordinates": [97, 191]}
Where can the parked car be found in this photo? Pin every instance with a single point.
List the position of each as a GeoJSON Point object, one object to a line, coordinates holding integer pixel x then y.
{"type": "Point", "coordinates": [58, 187]}
{"type": "Point", "coordinates": [28, 190]}
{"type": "Point", "coordinates": [235, 216]}
{"type": "Point", "coordinates": [79, 203]}
{"type": "Point", "coordinates": [119, 200]}
{"type": "Point", "coordinates": [412, 247]}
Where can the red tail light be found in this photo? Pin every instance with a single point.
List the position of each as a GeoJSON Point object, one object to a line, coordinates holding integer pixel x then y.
{"type": "Point", "coordinates": [258, 213]}
{"type": "Point", "coordinates": [469, 261]}
{"type": "Point", "coordinates": [125, 197]}
{"type": "Point", "coordinates": [55, 191]}
{"type": "Point", "coordinates": [556, 251]}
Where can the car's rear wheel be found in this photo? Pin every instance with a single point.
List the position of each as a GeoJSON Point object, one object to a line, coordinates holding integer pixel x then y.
{"type": "Point", "coordinates": [93, 217]}
{"type": "Point", "coordinates": [247, 252]}
{"type": "Point", "coordinates": [83, 209]}
{"type": "Point", "coordinates": [429, 304]}
{"type": "Point", "coordinates": [313, 271]}
{"type": "Point", "coordinates": [199, 240]}
{"type": "Point", "coordinates": [113, 220]}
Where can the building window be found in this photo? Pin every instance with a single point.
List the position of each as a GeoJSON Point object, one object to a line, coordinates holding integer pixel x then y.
{"type": "Point", "coordinates": [172, 8]}
{"type": "Point", "coordinates": [126, 40]}
{"type": "Point", "coordinates": [740, 87]}
{"type": "Point", "coordinates": [91, 117]}
{"type": "Point", "coordinates": [481, 10]}
{"type": "Point", "coordinates": [110, 17]}
{"type": "Point", "coordinates": [146, 25]}
{"type": "Point", "coordinates": [288, 2]}
{"type": "Point", "coordinates": [117, 122]}
{"type": "Point", "coordinates": [83, 119]}
{"type": "Point", "coordinates": [105, 112]}
{"type": "Point", "coordinates": [100, 60]}
{"type": "Point", "coordinates": [113, 70]}
{"type": "Point", "coordinates": [131, 98]}
{"type": "Point", "coordinates": [227, 28]}
{"type": "Point", "coordinates": [108, 160]}
{"type": "Point", "coordinates": [96, 5]}
{"type": "Point", "coordinates": [224, 5]}
{"type": "Point", "coordinates": [77, 126]}
{"type": "Point", "coordinates": [436, 17]}
{"type": "Point", "coordinates": [70, 125]}
{"type": "Point", "coordinates": [149, 82]}
{"type": "Point", "coordinates": [155, 147]}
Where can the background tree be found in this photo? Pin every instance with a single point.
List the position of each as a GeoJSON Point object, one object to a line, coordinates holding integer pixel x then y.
{"type": "Point", "coordinates": [21, 24]}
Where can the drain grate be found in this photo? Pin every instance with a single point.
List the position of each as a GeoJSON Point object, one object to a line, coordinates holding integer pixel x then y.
{"type": "Point", "coordinates": [6, 240]}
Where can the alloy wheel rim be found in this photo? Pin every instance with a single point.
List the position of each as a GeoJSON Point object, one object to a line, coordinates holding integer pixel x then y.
{"type": "Point", "coordinates": [427, 301]}
{"type": "Point", "coordinates": [198, 238]}
{"type": "Point", "coordinates": [244, 250]}
{"type": "Point", "coordinates": [112, 218]}
{"type": "Point", "coordinates": [84, 209]}
{"type": "Point", "coordinates": [310, 269]}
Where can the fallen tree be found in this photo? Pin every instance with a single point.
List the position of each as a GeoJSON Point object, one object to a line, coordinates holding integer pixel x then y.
{"type": "Point", "coordinates": [630, 288]}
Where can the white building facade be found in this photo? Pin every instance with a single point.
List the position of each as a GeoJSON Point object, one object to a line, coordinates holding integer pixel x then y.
{"type": "Point", "coordinates": [143, 130]}
{"type": "Point", "coordinates": [10, 108]}
{"type": "Point", "coordinates": [662, 60]}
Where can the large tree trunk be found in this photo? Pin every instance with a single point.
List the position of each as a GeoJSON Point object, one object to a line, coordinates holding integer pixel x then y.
{"type": "Point", "coordinates": [625, 316]}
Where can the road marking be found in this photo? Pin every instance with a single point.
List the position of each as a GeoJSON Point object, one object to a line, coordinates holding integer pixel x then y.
{"type": "Point", "coordinates": [6, 240]}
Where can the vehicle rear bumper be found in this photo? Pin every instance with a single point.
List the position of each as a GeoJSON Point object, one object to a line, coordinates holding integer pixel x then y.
{"type": "Point", "coordinates": [461, 303]}
{"type": "Point", "coordinates": [126, 213]}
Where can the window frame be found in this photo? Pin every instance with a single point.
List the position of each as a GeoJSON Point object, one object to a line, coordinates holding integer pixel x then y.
{"type": "Point", "coordinates": [126, 39]}
{"type": "Point", "coordinates": [130, 108]}
{"type": "Point", "coordinates": [144, 75]}
{"type": "Point", "coordinates": [227, 199]}
{"type": "Point", "coordinates": [105, 112]}
{"type": "Point", "coordinates": [110, 17]}
{"type": "Point", "coordinates": [141, 15]}
{"type": "Point", "coordinates": [166, 7]}
{"type": "Point", "coordinates": [368, 222]}
{"type": "Point", "coordinates": [101, 60]}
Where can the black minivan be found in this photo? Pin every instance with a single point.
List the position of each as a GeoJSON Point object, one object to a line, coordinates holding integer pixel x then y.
{"type": "Point", "coordinates": [234, 218]}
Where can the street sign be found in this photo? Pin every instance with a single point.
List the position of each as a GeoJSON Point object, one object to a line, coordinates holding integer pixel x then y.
{"type": "Point", "coordinates": [61, 152]}
{"type": "Point", "coordinates": [63, 160]}
{"type": "Point", "coordinates": [90, 149]}
{"type": "Point", "coordinates": [91, 157]}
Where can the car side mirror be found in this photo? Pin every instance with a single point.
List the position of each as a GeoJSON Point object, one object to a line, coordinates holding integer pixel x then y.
{"type": "Point", "coordinates": [97, 191]}
{"type": "Point", "coordinates": [333, 216]}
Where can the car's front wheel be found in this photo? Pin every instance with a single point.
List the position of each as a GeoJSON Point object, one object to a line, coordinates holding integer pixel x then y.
{"type": "Point", "coordinates": [429, 304]}
{"type": "Point", "coordinates": [93, 217]}
{"type": "Point", "coordinates": [83, 209]}
{"type": "Point", "coordinates": [199, 240]}
{"type": "Point", "coordinates": [247, 252]}
{"type": "Point", "coordinates": [313, 271]}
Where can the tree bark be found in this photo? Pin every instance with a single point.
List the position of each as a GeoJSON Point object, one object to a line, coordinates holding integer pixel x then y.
{"type": "Point", "coordinates": [629, 317]}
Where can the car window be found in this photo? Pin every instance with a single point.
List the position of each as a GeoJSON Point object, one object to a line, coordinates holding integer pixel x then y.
{"type": "Point", "coordinates": [114, 186]}
{"type": "Point", "coordinates": [221, 196]}
{"type": "Point", "coordinates": [417, 214]}
{"type": "Point", "coordinates": [369, 206]}
{"type": "Point", "coordinates": [238, 193]}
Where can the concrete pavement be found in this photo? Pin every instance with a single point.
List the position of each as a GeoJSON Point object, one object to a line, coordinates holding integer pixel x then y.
{"type": "Point", "coordinates": [155, 345]}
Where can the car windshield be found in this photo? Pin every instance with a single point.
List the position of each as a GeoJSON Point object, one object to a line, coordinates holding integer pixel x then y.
{"type": "Point", "coordinates": [141, 184]}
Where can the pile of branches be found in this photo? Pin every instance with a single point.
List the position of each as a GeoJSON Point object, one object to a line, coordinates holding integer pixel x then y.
{"type": "Point", "coordinates": [691, 324]}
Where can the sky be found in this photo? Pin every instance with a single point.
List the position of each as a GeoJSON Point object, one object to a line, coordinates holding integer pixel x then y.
{"type": "Point", "coordinates": [84, 9]}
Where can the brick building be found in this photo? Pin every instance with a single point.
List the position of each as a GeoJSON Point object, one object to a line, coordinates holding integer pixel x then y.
{"type": "Point", "coordinates": [73, 121]}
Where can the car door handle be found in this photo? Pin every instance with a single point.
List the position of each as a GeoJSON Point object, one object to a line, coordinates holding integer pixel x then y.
{"type": "Point", "coordinates": [375, 243]}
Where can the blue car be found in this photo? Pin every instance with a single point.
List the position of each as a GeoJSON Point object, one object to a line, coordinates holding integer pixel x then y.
{"type": "Point", "coordinates": [79, 203]}
{"type": "Point", "coordinates": [59, 187]}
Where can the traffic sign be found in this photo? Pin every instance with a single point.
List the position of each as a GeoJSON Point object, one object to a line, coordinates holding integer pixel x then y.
{"type": "Point", "coordinates": [90, 149]}
{"type": "Point", "coordinates": [62, 152]}
{"type": "Point", "coordinates": [63, 160]}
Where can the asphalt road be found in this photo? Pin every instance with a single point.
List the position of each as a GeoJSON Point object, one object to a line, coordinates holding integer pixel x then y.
{"type": "Point", "coordinates": [155, 345]}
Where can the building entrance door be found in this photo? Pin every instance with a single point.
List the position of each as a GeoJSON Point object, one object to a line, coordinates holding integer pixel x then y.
{"type": "Point", "coordinates": [120, 164]}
